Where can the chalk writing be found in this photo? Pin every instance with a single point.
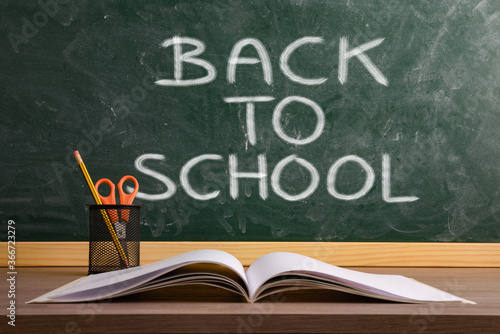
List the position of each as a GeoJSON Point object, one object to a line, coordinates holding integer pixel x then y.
{"type": "Point", "coordinates": [261, 176]}
{"type": "Point", "coordinates": [234, 59]}
{"type": "Point", "coordinates": [235, 174]}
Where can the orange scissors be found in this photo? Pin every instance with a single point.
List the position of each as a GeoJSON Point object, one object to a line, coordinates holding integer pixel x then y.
{"type": "Point", "coordinates": [125, 199]}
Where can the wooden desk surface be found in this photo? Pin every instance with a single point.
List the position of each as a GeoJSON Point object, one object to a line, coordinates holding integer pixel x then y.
{"type": "Point", "coordinates": [201, 309]}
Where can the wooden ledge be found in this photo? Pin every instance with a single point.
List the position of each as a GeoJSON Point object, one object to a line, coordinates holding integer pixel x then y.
{"type": "Point", "coordinates": [375, 254]}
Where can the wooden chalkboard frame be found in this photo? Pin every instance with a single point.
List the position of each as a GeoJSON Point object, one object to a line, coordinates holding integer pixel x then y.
{"type": "Point", "coordinates": [370, 254]}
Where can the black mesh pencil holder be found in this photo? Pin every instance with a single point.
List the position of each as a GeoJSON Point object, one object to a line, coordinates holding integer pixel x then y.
{"type": "Point", "coordinates": [114, 237]}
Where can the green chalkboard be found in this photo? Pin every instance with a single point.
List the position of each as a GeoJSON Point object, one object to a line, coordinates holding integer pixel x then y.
{"type": "Point", "coordinates": [292, 120]}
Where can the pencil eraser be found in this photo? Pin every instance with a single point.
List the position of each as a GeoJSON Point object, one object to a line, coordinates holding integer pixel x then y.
{"type": "Point", "coordinates": [78, 157]}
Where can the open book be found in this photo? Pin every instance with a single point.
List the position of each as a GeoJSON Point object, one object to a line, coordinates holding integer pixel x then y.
{"type": "Point", "coordinates": [271, 273]}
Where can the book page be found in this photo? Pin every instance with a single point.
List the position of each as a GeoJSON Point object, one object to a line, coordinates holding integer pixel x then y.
{"type": "Point", "coordinates": [106, 285]}
{"type": "Point", "coordinates": [392, 287]}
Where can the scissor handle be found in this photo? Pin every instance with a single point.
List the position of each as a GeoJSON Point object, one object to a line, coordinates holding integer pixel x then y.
{"type": "Point", "coordinates": [125, 198]}
{"type": "Point", "coordinates": [110, 199]}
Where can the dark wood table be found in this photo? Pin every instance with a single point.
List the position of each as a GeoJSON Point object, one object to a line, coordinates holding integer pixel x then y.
{"type": "Point", "coordinates": [196, 309]}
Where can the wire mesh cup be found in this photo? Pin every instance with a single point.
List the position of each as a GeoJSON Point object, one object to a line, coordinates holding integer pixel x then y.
{"type": "Point", "coordinates": [114, 237]}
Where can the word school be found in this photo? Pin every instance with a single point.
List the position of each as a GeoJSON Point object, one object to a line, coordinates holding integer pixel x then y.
{"type": "Point", "coordinates": [261, 175]}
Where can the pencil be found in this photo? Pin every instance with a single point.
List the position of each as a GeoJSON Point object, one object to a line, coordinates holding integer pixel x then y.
{"type": "Point", "coordinates": [98, 201]}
